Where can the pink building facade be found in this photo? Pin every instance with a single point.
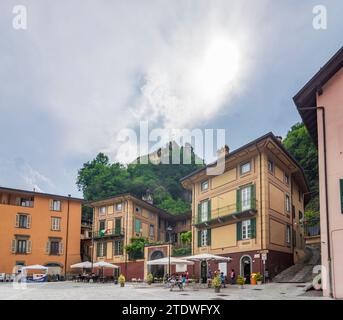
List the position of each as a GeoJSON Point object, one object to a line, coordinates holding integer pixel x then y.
{"type": "Point", "coordinates": [320, 104]}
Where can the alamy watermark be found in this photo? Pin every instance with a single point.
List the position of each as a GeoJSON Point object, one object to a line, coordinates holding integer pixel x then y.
{"type": "Point", "coordinates": [19, 21]}
{"type": "Point", "coordinates": [320, 19]}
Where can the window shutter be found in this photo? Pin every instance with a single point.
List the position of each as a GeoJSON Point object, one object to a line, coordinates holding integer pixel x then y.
{"type": "Point", "coordinates": [105, 250]}
{"type": "Point", "coordinates": [238, 200]}
{"type": "Point", "coordinates": [253, 228]}
{"type": "Point", "coordinates": [209, 209]}
{"type": "Point", "coordinates": [208, 237]}
{"type": "Point", "coordinates": [47, 247]}
{"type": "Point", "coordinates": [239, 230]}
{"type": "Point", "coordinates": [51, 204]}
{"type": "Point", "coordinates": [28, 225]}
{"type": "Point", "coordinates": [253, 196]}
{"type": "Point", "coordinates": [14, 246]}
{"type": "Point", "coordinates": [29, 246]}
{"type": "Point", "coordinates": [341, 189]}
{"type": "Point", "coordinates": [199, 212]}
{"type": "Point", "coordinates": [117, 226]}
{"type": "Point", "coordinates": [98, 249]}
{"type": "Point", "coordinates": [199, 238]}
{"type": "Point", "coordinates": [60, 248]}
{"type": "Point", "coordinates": [17, 220]}
{"type": "Point", "coordinates": [17, 201]}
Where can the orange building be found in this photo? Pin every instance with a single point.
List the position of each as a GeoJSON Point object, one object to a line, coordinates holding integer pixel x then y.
{"type": "Point", "coordinates": [38, 228]}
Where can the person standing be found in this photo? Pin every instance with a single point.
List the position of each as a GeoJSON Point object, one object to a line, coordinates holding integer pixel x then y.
{"type": "Point", "coordinates": [232, 276]}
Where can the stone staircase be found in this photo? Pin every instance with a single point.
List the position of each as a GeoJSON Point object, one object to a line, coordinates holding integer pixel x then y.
{"type": "Point", "coordinates": [301, 272]}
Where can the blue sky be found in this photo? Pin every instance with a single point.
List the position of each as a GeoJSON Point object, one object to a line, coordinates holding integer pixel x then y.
{"type": "Point", "coordinates": [84, 70]}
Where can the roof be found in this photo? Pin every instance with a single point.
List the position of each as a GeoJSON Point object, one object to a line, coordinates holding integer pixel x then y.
{"type": "Point", "coordinates": [42, 194]}
{"type": "Point", "coordinates": [142, 202]}
{"type": "Point", "coordinates": [306, 97]}
{"type": "Point", "coordinates": [269, 135]}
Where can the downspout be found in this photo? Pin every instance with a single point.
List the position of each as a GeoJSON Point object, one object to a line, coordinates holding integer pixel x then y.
{"type": "Point", "coordinates": [126, 235]}
{"type": "Point", "coordinates": [67, 235]}
{"type": "Point", "coordinates": [326, 192]}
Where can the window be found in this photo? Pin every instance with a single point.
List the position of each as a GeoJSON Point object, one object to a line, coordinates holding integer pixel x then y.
{"type": "Point", "coordinates": [25, 202]}
{"type": "Point", "coordinates": [137, 226]}
{"type": "Point", "coordinates": [204, 185]}
{"type": "Point", "coordinates": [203, 241]}
{"type": "Point", "coordinates": [270, 166]}
{"type": "Point", "coordinates": [55, 205]}
{"type": "Point", "coordinates": [119, 206]}
{"type": "Point", "coordinates": [118, 248]}
{"type": "Point", "coordinates": [246, 229]}
{"type": "Point", "coordinates": [102, 224]}
{"type": "Point", "coordinates": [288, 234]}
{"type": "Point", "coordinates": [288, 203]}
{"type": "Point", "coordinates": [293, 212]}
{"type": "Point", "coordinates": [204, 211]}
{"type": "Point", "coordinates": [55, 224]}
{"type": "Point", "coordinates": [22, 221]}
{"type": "Point", "coordinates": [138, 209]}
{"type": "Point", "coordinates": [101, 249]}
{"type": "Point", "coordinates": [54, 248]}
{"type": "Point", "coordinates": [301, 217]}
{"type": "Point", "coordinates": [245, 168]}
{"type": "Point", "coordinates": [286, 178]}
{"type": "Point", "coordinates": [21, 246]}
{"type": "Point", "coordinates": [152, 231]}
{"type": "Point", "coordinates": [102, 210]}
{"type": "Point", "coordinates": [246, 198]}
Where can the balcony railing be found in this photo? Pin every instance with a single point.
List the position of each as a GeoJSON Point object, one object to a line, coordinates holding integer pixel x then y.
{"type": "Point", "coordinates": [227, 213]}
{"type": "Point", "coordinates": [311, 227]}
{"type": "Point", "coordinates": [116, 232]}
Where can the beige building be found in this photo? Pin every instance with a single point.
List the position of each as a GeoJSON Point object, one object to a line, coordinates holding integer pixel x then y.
{"type": "Point", "coordinates": [320, 104]}
{"type": "Point", "coordinates": [256, 206]}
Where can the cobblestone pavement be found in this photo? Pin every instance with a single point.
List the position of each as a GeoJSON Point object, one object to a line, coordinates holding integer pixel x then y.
{"type": "Point", "coordinates": [93, 291]}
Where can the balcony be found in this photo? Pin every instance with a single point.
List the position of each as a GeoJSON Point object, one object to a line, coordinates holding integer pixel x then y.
{"type": "Point", "coordinates": [109, 233]}
{"type": "Point", "coordinates": [227, 214]}
{"type": "Point", "coordinates": [312, 230]}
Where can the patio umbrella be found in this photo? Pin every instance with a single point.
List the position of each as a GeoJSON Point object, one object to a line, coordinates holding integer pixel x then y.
{"type": "Point", "coordinates": [103, 264]}
{"type": "Point", "coordinates": [208, 256]}
{"type": "Point", "coordinates": [82, 265]}
{"type": "Point", "coordinates": [35, 267]}
{"type": "Point", "coordinates": [165, 261]}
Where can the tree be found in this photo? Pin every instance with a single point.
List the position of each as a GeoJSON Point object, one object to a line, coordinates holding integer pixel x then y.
{"type": "Point", "coordinates": [299, 143]}
{"type": "Point", "coordinates": [186, 237]}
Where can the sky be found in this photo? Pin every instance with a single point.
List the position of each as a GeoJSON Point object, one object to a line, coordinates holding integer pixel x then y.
{"type": "Point", "coordinates": [84, 72]}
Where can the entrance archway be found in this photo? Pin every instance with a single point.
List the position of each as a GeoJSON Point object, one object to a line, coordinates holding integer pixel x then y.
{"type": "Point", "coordinates": [246, 267]}
{"type": "Point", "coordinates": [158, 270]}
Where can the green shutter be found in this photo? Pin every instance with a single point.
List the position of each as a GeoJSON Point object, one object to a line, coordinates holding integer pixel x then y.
{"type": "Point", "coordinates": [209, 209]}
{"type": "Point", "coordinates": [253, 228]}
{"type": "Point", "coordinates": [238, 200]}
{"type": "Point", "coordinates": [199, 238]}
{"type": "Point", "coordinates": [105, 249]}
{"type": "Point", "coordinates": [138, 226]}
{"type": "Point", "coordinates": [208, 237]}
{"type": "Point", "coordinates": [117, 226]}
{"type": "Point", "coordinates": [341, 187]}
{"type": "Point", "coordinates": [239, 230]}
{"type": "Point", "coordinates": [199, 212]}
{"type": "Point", "coordinates": [253, 196]}
{"type": "Point", "coordinates": [98, 249]}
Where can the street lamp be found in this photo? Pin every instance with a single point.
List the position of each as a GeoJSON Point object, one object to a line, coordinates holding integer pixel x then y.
{"type": "Point", "coordinates": [169, 230]}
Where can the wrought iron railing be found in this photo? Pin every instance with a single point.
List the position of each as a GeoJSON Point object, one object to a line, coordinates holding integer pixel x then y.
{"type": "Point", "coordinates": [311, 227]}
{"type": "Point", "coordinates": [108, 233]}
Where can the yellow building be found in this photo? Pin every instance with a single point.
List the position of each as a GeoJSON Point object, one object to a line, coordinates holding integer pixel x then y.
{"type": "Point", "coordinates": [38, 228]}
{"type": "Point", "coordinates": [255, 207]}
{"type": "Point", "coordinates": [118, 219]}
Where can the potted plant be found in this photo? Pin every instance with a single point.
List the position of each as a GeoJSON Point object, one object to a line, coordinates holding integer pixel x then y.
{"type": "Point", "coordinates": [121, 280]}
{"type": "Point", "coordinates": [217, 283]}
{"type": "Point", "coordinates": [150, 279]}
{"type": "Point", "coordinates": [258, 278]}
{"type": "Point", "coordinates": [240, 281]}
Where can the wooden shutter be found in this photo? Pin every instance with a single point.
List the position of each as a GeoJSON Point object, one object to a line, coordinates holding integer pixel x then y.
{"type": "Point", "coordinates": [199, 212]}
{"type": "Point", "coordinates": [98, 249]}
{"type": "Point", "coordinates": [51, 204]}
{"type": "Point", "coordinates": [253, 196]}
{"type": "Point", "coordinates": [238, 200]}
{"type": "Point", "coordinates": [199, 238]}
{"type": "Point", "coordinates": [253, 228]}
{"type": "Point", "coordinates": [208, 237]}
{"type": "Point", "coordinates": [28, 246]}
{"type": "Point", "coordinates": [14, 246]}
{"type": "Point", "coordinates": [47, 247]}
{"type": "Point", "coordinates": [17, 216]}
{"type": "Point", "coordinates": [239, 230]}
{"type": "Point", "coordinates": [60, 248]}
{"type": "Point", "coordinates": [28, 222]}
{"type": "Point", "coordinates": [341, 190]}
{"type": "Point", "coordinates": [105, 249]}
{"type": "Point", "coordinates": [117, 225]}
{"type": "Point", "coordinates": [209, 209]}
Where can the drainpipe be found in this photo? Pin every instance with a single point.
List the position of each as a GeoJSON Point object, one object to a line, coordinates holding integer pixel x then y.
{"type": "Point", "coordinates": [326, 192]}
{"type": "Point", "coordinates": [67, 235]}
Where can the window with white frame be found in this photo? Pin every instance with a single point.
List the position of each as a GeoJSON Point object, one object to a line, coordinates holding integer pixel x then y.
{"type": "Point", "coordinates": [102, 210]}
{"type": "Point", "coordinates": [204, 211]}
{"type": "Point", "coordinates": [55, 205]}
{"type": "Point", "coordinates": [246, 229]}
{"type": "Point", "coordinates": [204, 185]}
{"type": "Point", "coordinates": [246, 198]}
{"type": "Point", "coordinates": [288, 203]}
{"type": "Point", "coordinates": [55, 223]}
{"type": "Point", "coordinates": [119, 206]}
{"type": "Point", "coordinates": [245, 168]}
{"type": "Point", "coordinates": [203, 241]}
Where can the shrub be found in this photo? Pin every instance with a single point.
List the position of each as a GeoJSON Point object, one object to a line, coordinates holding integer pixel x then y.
{"type": "Point", "coordinates": [240, 280]}
{"type": "Point", "coordinates": [150, 278]}
{"type": "Point", "coordinates": [217, 282]}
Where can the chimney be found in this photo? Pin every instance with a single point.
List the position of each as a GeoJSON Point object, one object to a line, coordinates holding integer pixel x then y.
{"type": "Point", "coordinates": [279, 138]}
{"type": "Point", "coordinates": [223, 151]}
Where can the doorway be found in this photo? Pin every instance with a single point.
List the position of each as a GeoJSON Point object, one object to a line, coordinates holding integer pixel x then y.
{"type": "Point", "coordinates": [203, 271]}
{"type": "Point", "coordinates": [246, 268]}
{"type": "Point", "coordinates": [157, 270]}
